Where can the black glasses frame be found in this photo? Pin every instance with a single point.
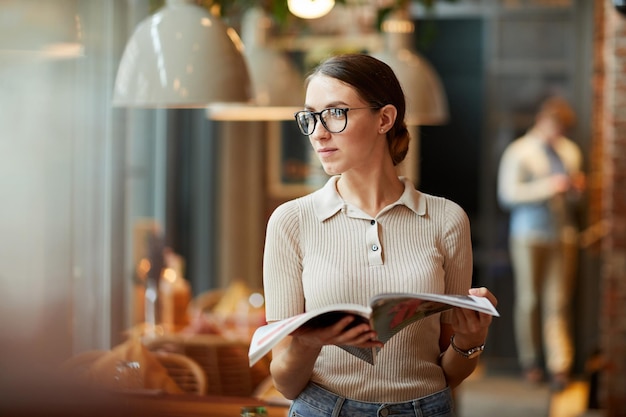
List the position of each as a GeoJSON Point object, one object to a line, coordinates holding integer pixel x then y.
{"type": "Point", "coordinates": [318, 115]}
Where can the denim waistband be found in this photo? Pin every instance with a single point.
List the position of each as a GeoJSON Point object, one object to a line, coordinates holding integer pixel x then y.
{"type": "Point", "coordinates": [317, 401]}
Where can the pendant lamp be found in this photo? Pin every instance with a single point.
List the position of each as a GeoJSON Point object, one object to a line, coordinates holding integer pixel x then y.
{"type": "Point", "coordinates": [181, 57]}
{"type": "Point", "coordinates": [426, 99]}
{"type": "Point", "coordinates": [275, 79]}
{"type": "Point", "coordinates": [277, 84]}
{"type": "Point", "coordinates": [40, 29]}
{"type": "Point", "coordinates": [310, 9]}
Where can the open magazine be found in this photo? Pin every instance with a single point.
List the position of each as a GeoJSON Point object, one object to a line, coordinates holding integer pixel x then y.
{"type": "Point", "coordinates": [387, 314]}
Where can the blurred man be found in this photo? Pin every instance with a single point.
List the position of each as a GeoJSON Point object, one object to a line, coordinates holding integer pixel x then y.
{"type": "Point", "coordinates": [541, 183]}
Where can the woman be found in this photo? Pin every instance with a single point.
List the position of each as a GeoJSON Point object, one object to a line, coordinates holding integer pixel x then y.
{"type": "Point", "coordinates": [367, 231]}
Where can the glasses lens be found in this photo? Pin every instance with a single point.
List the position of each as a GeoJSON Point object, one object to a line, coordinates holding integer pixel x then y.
{"type": "Point", "coordinates": [306, 122]}
{"type": "Point", "coordinates": [334, 119]}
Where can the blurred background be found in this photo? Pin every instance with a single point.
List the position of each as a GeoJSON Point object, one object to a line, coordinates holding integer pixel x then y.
{"type": "Point", "coordinates": [98, 171]}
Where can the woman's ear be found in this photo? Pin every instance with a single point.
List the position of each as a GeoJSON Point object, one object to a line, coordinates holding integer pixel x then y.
{"type": "Point", "coordinates": [388, 114]}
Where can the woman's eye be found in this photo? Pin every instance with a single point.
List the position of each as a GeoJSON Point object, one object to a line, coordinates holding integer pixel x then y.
{"type": "Point", "coordinates": [336, 113]}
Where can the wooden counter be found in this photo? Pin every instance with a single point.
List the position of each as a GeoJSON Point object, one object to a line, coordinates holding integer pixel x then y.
{"type": "Point", "coordinates": [187, 405]}
{"type": "Point", "coordinates": [39, 399]}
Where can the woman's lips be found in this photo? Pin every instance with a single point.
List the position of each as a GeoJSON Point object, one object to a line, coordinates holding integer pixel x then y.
{"type": "Point", "coordinates": [323, 152]}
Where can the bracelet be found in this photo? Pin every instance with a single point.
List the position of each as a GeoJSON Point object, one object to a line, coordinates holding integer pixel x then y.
{"type": "Point", "coordinates": [470, 353]}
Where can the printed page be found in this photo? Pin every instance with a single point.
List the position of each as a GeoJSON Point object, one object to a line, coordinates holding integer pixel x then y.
{"type": "Point", "coordinates": [393, 312]}
{"type": "Point", "coordinates": [472, 302]}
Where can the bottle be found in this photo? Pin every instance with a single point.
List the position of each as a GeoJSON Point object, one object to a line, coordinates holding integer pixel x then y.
{"type": "Point", "coordinates": [156, 263]}
{"type": "Point", "coordinates": [175, 297]}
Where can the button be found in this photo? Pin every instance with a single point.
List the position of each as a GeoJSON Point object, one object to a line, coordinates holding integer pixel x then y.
{"type": "Point", "coordinates": [373, 222]}
{"type": "Point", "coordinates": [384, 412]}
{"type": "Point", "coordinates": [374, 248]}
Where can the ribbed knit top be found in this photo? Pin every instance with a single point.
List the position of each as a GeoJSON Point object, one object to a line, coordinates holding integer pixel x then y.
{"type": "Point", "coordinates": [320, 250]}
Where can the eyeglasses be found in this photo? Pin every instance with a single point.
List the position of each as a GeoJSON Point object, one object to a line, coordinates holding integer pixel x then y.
{"type": "Point", "coordinates": [334, 119]}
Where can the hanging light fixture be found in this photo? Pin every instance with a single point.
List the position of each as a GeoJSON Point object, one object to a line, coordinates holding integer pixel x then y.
{"type": "Point", "coordinates": [278, 86]}
{"type": "Point", "coordinates": [182, 57]}
{"type": "Point", "coordinates": [275, 79]}
{"type": "Point", "coordinates": [310, 9]}
{"type": "Point", "coordinates": [40, 29]}
{"type": "Point", "coordinates": [425, 95]}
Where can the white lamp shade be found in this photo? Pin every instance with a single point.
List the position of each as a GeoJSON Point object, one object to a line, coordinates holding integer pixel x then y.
{"type": "Point", "coordinates": [275, 79]}
{"type": "Point", "coordinates": [181, 57]}
{"type": "Point", "coordinates": [426, 102]}
{"type": "Point", "coordinates": [277, 84]}
{"type": "Point", "coordinates": [40, 29]}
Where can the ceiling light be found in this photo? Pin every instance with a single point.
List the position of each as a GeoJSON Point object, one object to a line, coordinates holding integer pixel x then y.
{"type": "Point", "coordinates": [426, 99]}
{"type": "Point", "coordinates": [40, 29]}
{"type": "Point", "coordinates": [181, 57]}
{"type": "Point", "coordinates": [310, 9]}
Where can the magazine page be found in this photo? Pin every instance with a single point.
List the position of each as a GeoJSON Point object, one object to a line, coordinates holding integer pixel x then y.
{"type": "Point", "coordinates": [393, 312]}
{"type": "Point", "coordinates": [391, 315]}
{"type": "Point", "coordinates": [472, 302]}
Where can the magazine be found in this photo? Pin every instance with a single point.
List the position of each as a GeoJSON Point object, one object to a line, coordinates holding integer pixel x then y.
{"type": "Point", "coordinates": [387, 314]}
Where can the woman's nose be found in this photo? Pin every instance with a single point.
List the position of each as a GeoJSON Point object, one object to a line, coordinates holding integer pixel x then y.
{"type": "Point", "coordinates": [320, 132]}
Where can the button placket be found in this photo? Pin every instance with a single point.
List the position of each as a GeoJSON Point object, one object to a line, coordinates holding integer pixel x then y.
{"type": "Point", "coordinates": [374, 248]}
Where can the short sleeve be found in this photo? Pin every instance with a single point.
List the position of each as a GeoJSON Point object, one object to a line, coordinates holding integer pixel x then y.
{"type": "Point", "coordinates": [282, 264]}
{"type": "Point", "coordinates": [458, 257]}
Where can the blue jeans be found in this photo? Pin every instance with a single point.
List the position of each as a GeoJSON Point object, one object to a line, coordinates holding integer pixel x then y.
{"type": "Point", "coordinates": [315, 401]}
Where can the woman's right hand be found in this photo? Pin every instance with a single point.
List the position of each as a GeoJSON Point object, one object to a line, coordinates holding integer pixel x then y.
{"type": "Point", "coordinates": [294, 357]}
{"type": "Point", "coordinates": [340, 333]}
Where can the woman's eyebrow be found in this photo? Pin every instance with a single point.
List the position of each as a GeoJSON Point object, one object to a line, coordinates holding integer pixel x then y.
{"type": "Point", "coordinates": [332, 104]}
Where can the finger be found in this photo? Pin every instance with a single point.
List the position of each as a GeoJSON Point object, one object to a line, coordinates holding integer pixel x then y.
{"type": "Point", "coordinates": [459, 321]}
{"type": "Point", "coordinates": [484, 292]}
{"type": "Point", "coordinates": [362, 331]}
{"type": "Point", "coordinates": [367, 339]}
{"type": "Point", "coordinates": [470, 321]}
{"type": "Point", "coordinates": [341, 325]}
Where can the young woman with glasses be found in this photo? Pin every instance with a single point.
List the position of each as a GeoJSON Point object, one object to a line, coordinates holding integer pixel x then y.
{"type": "Point", "coordinates": [365, 232]}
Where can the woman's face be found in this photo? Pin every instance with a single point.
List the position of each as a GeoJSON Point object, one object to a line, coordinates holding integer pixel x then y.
{"type": "Point", "coordinates": [360, 144]}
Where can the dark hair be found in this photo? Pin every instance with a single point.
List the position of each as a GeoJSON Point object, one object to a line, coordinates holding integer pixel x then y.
{"type": "Point", "coordinates": [376, 83]}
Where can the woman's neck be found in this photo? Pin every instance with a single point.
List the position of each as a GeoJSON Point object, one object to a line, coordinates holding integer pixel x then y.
{"type": "Point", "coordinates": [371, 192]}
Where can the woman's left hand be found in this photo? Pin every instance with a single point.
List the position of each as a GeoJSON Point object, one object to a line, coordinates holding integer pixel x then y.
{"type": "Point", "coordinates": [470, 327]}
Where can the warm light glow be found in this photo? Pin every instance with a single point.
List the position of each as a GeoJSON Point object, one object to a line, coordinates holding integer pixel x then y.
{"type": "Point", "coordinates": [398, 26]}
{"type": "Point", "coordinates": [234, 37]}
{"type": "Point", "coordinates": [143, 268]}
{"type": "Point", "coordinates": [310, 9]}
{"type": "Point", "coordinates": [256, 300]}
{"type": "Point", "coordinates": [169, 274]}
{"type": "Point", "coordinates": [63, 50]}
{"type": "Point", "coordinates": [248, 112]}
